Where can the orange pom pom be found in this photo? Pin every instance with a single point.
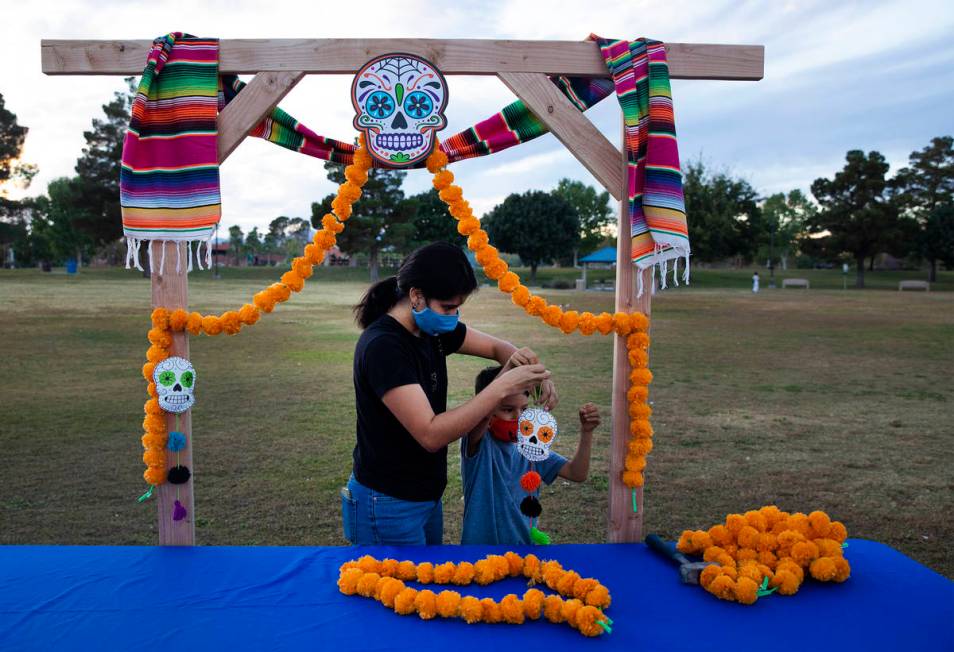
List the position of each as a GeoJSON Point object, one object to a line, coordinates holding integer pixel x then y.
{"type": "Point", "coordinates": [508, 282]}
{"type": "Point", "coordinates": [194, 323]}
{"type": "Point", "coordinates": [231, 324]}
{"type": "Point", "coordinates": [552, 315]}
{"type": "Point", "coordinates": [514, 564]}
{"type": "Point", "coordinates": [604, 323]}
{"type": "Point", "coordinates": [160, 318]}
{"type": "Point", "coordinates": [530, 481]}
{"type": "Point", "coordinates": [470, 609]}
{"type": "Point", "coordinates": [708, 574]}
{"type": "Point", "coordinates": [468, 226]}
{"type": "Point", "coordinates": [641, 376]}
{"type": "Point", "coordinates": [638, 358]}
{"type": "Point", "coordinates": [842, 569]}
{"type": "Point", "coordinates": [587, 324]}
{"type": "Point", "coordinates": [569, 321]}
{"type": "Point", "coordinates": [722, 587]}
{"type": "Point", "coordinates": [553, 608]}
{"type": "Point", "coordinates": [348, 581]}
{"type": "Point", "coordinates": [249, 314]}
{"type": "Point", "coordinates": [637, 393]}
{"type": "Point", "coordinates": [533, 603]}
{"type": "Point", "coordinates": [637, 340]}
{"type": "Point", "coordinates": [720, 535]}
{"type": "Point", "coordinates": [838, 531]}
{"type": "Point", "coordinates": [425, 602]}
{"type": "Point", "coordinates": [633, 479]}
{"type": "Point", "coordinates": [640, 447]}
{"type": "Point", "coordinates": [425, 572]}
{"type": "Point", "coordinates": [436, 160]}
{"type": "Point", "coordinates": [491, 611]}
{"type": "Point", "coordinates": [178, 319]}
{"type": "Point", "coordinates": [477, 240]}
{"type": "Point", "coordinates": [463, 574]}
{"type": "Point", "coordinates": [520, 296]}
{"type": "Point", "coordinates": [820, 524]}
{"type": "Point", "coordinates": [638, 321]}
{"type": "Point", "coordinates": [448, 603]}
{"type": "Point", "coordinates": [748, 537]}
{"type": "Point", "coordinates": [622, 324]}
{"type": "Point", "coordinates": [487, 254]}
{"type": "Point", "coordinates": [640, 428]}
{"type": "Point", "coordinates": [746, 590]}
{"type": "Point", "coordinates": [443, 573]}
{"type": "Point", "coordinates": [511, 608]}
{"type": "Point", "coordinates": [404, 601]}
{"type": "Point", "coordinates": [211, 325]}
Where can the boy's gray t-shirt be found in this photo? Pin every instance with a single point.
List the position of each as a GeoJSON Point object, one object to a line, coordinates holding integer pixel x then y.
{"type": "Point", "coordinates": [492, 491]}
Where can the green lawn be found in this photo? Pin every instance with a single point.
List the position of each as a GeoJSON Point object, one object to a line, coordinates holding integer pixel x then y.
{"type": "Point", "coordinates": [823, 399]}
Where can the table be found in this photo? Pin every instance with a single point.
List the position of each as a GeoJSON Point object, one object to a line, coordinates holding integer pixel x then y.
{"type": "Point", "coordinates": [285, 598]}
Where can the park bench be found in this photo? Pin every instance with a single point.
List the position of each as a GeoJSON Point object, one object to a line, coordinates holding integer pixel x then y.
{"type": "Point", "coordinates": [795, 283]}
{"type": "Point", "coordinates": [914, 285]}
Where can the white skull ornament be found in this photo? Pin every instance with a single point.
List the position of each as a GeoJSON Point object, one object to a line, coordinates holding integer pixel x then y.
{"type": "Point", "coordinates": [400, 101]}
{"type": "Point", "coordinates": [175, 384]}
{"type": "Point", "coordinates": [536, 431]}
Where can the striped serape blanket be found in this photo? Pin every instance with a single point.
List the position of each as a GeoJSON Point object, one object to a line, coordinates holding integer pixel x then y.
{"type": "Point", "coordinates": [640, 77]}
{"type": "Point", "coordinates": [169, 180]}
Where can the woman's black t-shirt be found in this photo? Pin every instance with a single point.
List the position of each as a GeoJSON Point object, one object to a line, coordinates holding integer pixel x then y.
{"type": "Point", "coordinates": [387, 458]}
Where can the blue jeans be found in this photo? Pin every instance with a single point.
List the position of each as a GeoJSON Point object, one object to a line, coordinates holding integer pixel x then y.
{"type": "Point", "coordinates": [370, 517]}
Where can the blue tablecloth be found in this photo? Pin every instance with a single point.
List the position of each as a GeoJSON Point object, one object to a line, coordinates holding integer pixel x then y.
{"type": "Point", "coordinates": [203, 598]}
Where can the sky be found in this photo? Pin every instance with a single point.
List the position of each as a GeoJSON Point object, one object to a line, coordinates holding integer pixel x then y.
{"type": "Point", "coordinates": [838, 76]}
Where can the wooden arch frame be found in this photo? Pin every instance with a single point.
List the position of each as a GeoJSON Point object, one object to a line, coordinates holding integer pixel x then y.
{"type": "Point", "coordinates": [279, 64]}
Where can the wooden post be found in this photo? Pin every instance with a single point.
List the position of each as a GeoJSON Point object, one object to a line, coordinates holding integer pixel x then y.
{"type": "Point", "coordinates": [170, 289]}
{"type": "Point", "coordinates": [623, 524]}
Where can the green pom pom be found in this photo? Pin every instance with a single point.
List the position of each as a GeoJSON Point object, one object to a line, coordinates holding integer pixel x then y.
{"type": "Point", "coordinates": [539, 538]}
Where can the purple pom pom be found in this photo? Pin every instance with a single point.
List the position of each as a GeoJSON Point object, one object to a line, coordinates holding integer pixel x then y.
{"type": "Point", "coordinates": [178, 512]}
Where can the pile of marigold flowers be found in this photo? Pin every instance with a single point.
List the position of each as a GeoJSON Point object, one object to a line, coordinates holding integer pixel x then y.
{"type": "Point", "coordinates": [384, 580]}
{"type": "Point", "coordinates": [767, 549]}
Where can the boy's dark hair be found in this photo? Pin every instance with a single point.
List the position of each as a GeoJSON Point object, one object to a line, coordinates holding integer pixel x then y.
{"type": "Point", "coordinates": [485, 377]}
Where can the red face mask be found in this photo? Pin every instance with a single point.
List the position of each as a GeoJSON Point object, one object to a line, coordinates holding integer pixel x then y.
{"type": "Point", "coordinates": [503, 430]}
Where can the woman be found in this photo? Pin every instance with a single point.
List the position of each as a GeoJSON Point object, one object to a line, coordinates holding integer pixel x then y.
{"type": "Point", "coordinates": [411, 325]}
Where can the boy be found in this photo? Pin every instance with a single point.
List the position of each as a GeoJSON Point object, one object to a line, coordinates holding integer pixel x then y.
{"type": "Point", "coordinates": [491, 465]}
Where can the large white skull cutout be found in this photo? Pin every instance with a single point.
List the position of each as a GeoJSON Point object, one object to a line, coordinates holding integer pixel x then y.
{"type": "Point", "coordinates": [175, 384]}
{"type": "Point", "coordinates": [400, 101]}
{"type": "Point", "coordinates": [536, 430]}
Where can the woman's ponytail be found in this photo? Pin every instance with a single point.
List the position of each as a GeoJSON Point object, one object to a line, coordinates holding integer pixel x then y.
{"type": "Point", "coordinates": [379, 298]}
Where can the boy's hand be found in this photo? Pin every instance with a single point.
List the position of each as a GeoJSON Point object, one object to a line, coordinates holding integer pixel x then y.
{"type": "Point", "coordinates": [521, 357]}
{"type": "Point", "coordinates": [589, 418]}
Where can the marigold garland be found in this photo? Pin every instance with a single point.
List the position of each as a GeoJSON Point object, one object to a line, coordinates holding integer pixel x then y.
{"type": "Point", "coordinates": [165, 322]}
{"type": "Point", "coordinates": [768, 548]}
{"type": "Point", "coordinates": [384, 580]}
{"type": "Point", "coordinates": [633, 326]}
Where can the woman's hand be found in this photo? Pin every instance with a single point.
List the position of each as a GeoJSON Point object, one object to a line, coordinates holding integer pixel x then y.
{"type": "Point", "coordinates": [521, 357]}
{"type": "Point", "coordinates": [548, 395]}
{"type": "Point", "coordinates": [521, 379]}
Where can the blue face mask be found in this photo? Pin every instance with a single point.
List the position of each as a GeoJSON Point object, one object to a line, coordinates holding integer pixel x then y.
{"type": "Point", "coordinates": [434, 323]}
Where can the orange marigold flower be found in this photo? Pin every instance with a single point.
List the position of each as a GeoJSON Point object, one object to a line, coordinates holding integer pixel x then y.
{"type": "Point", "coordinates": [325, 239]}
{"type": "Point", "coordinates": [640, 446]}
{"type": "Point", "coordinates": [622, 324]}
{"type": "Point", "coordinates": [160, 318]}
{"type": "Point", "coordinates": [771, 514]}
{"type": "Point", "coordinates": [570, 609]}
{"type": "Point", "coordinates": [685, 543]}
{"type": "Point", "coordinates": [178, 319]}
{"type": "Point", "coordinates": [468, 226]}
{"type": "Point", "coordinates": [587, 323]}
{"type": "Point", "coordinates": [734, 523]}
{"type": "Point", "coordinates": [842, 569]}
{"type": "Point", "coordinates": [767, 557]}
{"type": "Point", "coordinates": [443, 179]}
{"type": "Point", "coordinates": [342, 208]}
{"type": "Point", "coordinates": [147, 370]}
{"type": "Point", "coordinates": [566, 583]}
{"type": "Point", "coordinates": [756, 520]}
{"type": "Point", "coordinates": [708, 574]}
{"type": "Point", "coordinates": [712, 552]}
{"type": "Point", "coordinates": [640, 428]}
{"type": "Point", "coordinates": [404, 601]}
{"type": "Point", "coordinates": [496, 269]}
{"type": "Point", "coordinates": [746, 590]}
{"type": "Point", "coordinates": [746, 554]}
{"type": "Point", "coordinates": [451, 194]}
{"type": "Point", "coordinates": [369, 564]}
{"type": "Point", "coordinates": [520, 296]}
{"type": "Point", "coordinates": [634, 463]}
{"type": "Point", "coordinates": [194, 323]}
{"type": "Point", "coordinates": [463, 574]}
{"type": "Point", "coordinates": [598, 596]}
{"type": "Point", "coordinates": [388, 567]}
{"type": "Point", "coordinates": [637, 393]}
{"type": "Point", "coordinates": [155, 475]}
{"type": "Point", "coordinates": [786, 582]}
{"type": "Point", "coordinates": [720, 535]}
{"type": "Point", "coordinates": [604, 323]}
{"type": "Point", "coordinates": [838, 531]}
{"type": "Point", "coordinates": [153, 440]}
{"type": "Point", "coordinates": [820, 523]}
{"type": "Point", "coordinates": [156, 354]}
{"type": "Point", "coordinates": [633, 479]}
{"type": "Point", "coordinates": [804, 552]}
{"type": "Point", "coordinates": [508, 282]}
{"type": "Point", "coordinates": [264, 300]}
{"type": "Point", "coordinates": [639, 321]}
{"type": "Point", "coordinates": [700, 540]}
{"type": "Point", "coordinates": [511, 608]}
{"type": "Point", "coordinates": [552, 315]}
{"type": "Point", "coordinates": [151, 390]}
{"type": "Point", "coordinates": [314, 254]}
{"type": "Point", "coordinates": [211, 325]}
{"type": "Point", "coordinates": [638, 358]}
{"type": "Point", "coordinates": [823, 569]}
{"type": "Point", "coordinates": [569, 321]}
{"type": "Point", "coordinates": [637, 340]}
{"type": "Point", "coordinates": [348, 581]}
{"type": "Point", "coordinates": [535, 306]}
{"type": "Point", "coordinates": [407, 570]}
{"type": "Point", "coordinates": [484, 572]}
{"type": "Point", "coordinates": [533, 603]}
{"type": "Point", "coordinates": [390, 591]}
{"type": "Point", "coordinates": [331, 223]}
{"type": "Point", "coordinates": [294, 282]}
{"type": "Point", "coordinates": [478, 240]}
{"type": "Point", "coordinates": [425, 572]}
{"type": "Point", "coordinates": [448, 603]}
{"type": "Point", "coordinates": [553, 608]}
{"type": "Point", "coordinates": [356, 175]}
{"type": "Point", "coordinates": [828, 548]}
{"type": "Point", "coordinates": [231, 322]}
{"type": "Point", "coordinates": [531, 566]}
{"type": "Point", "coordinates": [767, 541]}
{"type": "Point", "coordinates": [460, 210]}
{"type": "Point", "coordinates": [722, 587]}
{"type": "Point", "coordinates": [586, 621]}
{"type": "Point", "coordinates": [748, 537]}
{"type": "Point", "coordinates": [367, 584]}
{"type": "Point", "coordinates": [641, 376]}
{"type": "Point", "coordinates": [425, 602]}
{"type": "Point", "coordinates": [154, 457]}
{"type": "Point", "coordinates": [249, 314]}
{"type": "Point", "coordinates": [504, 566]}
{"type": "Point", "coordinates": [436, 160]}
{"type": "Point", "coordinates": [487, 254]}
{"type": "Point", "coordinates": [490, 611]}
{"type": "Point", "coordinates": [470, 609]}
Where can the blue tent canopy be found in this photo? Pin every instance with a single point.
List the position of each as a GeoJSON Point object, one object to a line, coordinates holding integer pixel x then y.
{"type": "Point", "coordinates": [604, 255]}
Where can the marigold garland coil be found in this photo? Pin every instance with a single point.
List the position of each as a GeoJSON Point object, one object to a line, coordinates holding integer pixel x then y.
{"type": "Point", "coordinates": [580, 603]}
{"type": "Point", "coordinates": [768, 545]}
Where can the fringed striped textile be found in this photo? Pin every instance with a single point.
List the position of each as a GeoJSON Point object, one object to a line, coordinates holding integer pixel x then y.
{"type": "Point", "coordinates": [169, 181]}
{"type": "Point", "coordinates": [657, 208]}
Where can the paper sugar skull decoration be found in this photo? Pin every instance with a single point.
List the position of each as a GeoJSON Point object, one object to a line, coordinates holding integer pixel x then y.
{"type": "Point", "coordinates": [537, 429]}
{"type": "Point", "coordinates": [175, 384]}
{"type": "Point", "coordinates": [400, 101]}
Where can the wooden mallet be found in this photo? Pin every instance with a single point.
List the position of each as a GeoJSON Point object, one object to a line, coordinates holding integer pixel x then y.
{"type": "Point", "coordinates": [688, 570]}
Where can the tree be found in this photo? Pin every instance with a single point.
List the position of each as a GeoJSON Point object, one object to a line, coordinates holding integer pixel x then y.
{"type": "Point", "coordinates": [537, 226]}
{"type": "Point", "coordinates": [12, 137]}
{"type": "Point", "coordinates": [432, 222]}
{"type": "Point", "coordinates": [920, 189]}
{"type": "Point", "coordinates": [98, 170]}
{"type": "Point", "coordinates": [855, 217]}
{"type": "Point", "coordinates": [379, 221]}
{"type": "Point", "coordinates": [63, 211]}
{"type": "Point", "coordinates": [253, 242]}
{"type": "Point", "coordinates": [935, 238]}
{"type": "Point", "coordinates": [236, 242]}
{"type": "Point", "coordinates": [784, 217]}
{"type": "Point", "coordinates": [594, 212]}
{"type": "Point", "coordinates": [726, 219]}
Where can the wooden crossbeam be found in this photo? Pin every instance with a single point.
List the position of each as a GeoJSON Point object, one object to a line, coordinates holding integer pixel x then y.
{"type": "Point", "coordinates": [570, 126]}
{"type": "Point", "coordinates": [249, 107]}
{"type": "Point", "coordinates": [452, 56]}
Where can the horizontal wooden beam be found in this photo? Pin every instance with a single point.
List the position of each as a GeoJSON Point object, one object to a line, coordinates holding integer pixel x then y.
{"type": "Point", "coordinates": [570, 126]}
{"type": "Point", "coordinates": [452, 56]}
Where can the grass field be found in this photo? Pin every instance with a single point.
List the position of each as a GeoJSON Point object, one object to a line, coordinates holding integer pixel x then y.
{"type": "Point", "coordinates": [825, 399]}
